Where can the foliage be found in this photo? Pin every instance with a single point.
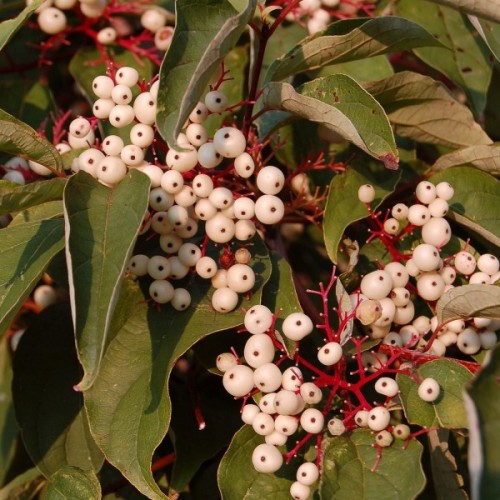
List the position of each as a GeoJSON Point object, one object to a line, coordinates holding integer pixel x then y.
{"type": "Point", "coordinates": [111, 361]}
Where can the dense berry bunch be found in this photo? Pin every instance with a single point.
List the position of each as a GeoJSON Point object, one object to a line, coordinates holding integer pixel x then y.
{"type": "Point", "coordinates": [136, 26]}
{"type": "Point", "coordinates": [298, 399]}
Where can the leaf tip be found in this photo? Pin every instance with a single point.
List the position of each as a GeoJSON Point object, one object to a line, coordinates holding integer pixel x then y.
{"type": "Point", "coordinates": [390, 161]}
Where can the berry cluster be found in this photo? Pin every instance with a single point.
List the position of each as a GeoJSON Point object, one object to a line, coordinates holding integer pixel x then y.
{"type": "Point", "coordinates": [425, 273]}
{"type": "Point", "coordinates": [296, 396]}
{"type": "Point", "coordinates": [61, 18]}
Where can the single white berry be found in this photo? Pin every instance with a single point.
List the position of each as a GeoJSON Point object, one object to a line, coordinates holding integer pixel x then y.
{"type": "Point", "coordinates": [263, 424]}
{"type": "Point", "coordinates": [425, 192]}
{"type": "Point", "coordinates": [387, 387]}
{"type": "Point", "coordinates": [170, 243]}
{"type": "Point", "coordinates": [378, 418]}
{"type": "Point", "coordinates": [142, 135]}
{"type": "Point", "coordinates": [330, 354]}
{"type": "Point", "coordinates": [138, 265]}
{"type": "Point", "coordinates": [240, 278]}
{"type": "Point", "coordinates": [145, 108]}
{"type": "Point", "coordinates": [391, 226]}
{"type": "Point", "coordinates": [238, 380]}
{"type": "Point", "coordinates": [292, 378]}
{"type": "Point", "coordinates": [267, 378]}
{"type": "Point", "coordinates": [445, 191]}
{"type": "Point", "coordinates": [468, 341]}
{"type": "Point", "coordinates": [270, 180]}
{"type": "Point", "coordinates": [225, 361]}
{"type": "Point", "coordinates": [429, 390]}
{"type": "Point", "coordinates": [286, 402]}
{"type": "Point", "coordinates": [376, 285]}
{"type": "Point", "coordinates": [102, 86]}
{"type": "Point", "coordinates": [224, 300]}
{"type": "Point", "coordinates": [258, 319]}
{"type": "Point", "coordinates": [106, 36]}
{"type": "Point", "coordinates": [297, 326]}
{"type": "Point", "coordinates": [361, 418]}
{"type": "Point", "coordinates": [426, 257]}
{"type": "Point", "coordinates": [312, 420]}
{"type": "Point", "coordinates": [438, 208]}
{"type": "Point", "coordinates": [307, 473]}
{"type": "Point", "coordinates": [488, 263]}
{"type": "Point", "coordinates": [244, 165]}
{"type": "Point", "coordinates": [311, 393]}
{"type": "Point", "coordinates": [249, 412]}
{"type": "Point", "coordinates": [112, 145]}
{"type": "Point", "coordinates": [181, 299]}
{"type": "Point", "coordinates": [216, 101]}
{"type": "Point", "coordinates": [153, 19]}
{"type": "Point", "coordinates": [436, 232]}
{"type": "Point", "coordinates": [111, 170]}
{"type": "Point", "coordinates": [44, 296]}
{"type": "Point", "coordinates": [259, 350]}
{"type": "Point", "coordinates": [366, 193]}
{"type": "Point", "coordinates": [206, 267]}
{"type": "Point", "coordinates": [286, 424]}
{"type": "Point", "coordinates": [52, 21]}
{"type": "Point", "coordinates": [336, 427]}
{"type": "Point", "coordinates": [161, 291]}
{"type": "Point", "coordinates": [269, 209]}
{"type": "Point", "coordinates": [121, 94]}
{"type": "Point", "coordinates": [430, 286]}
{"type": "Point", "coordinates": [384, 439]}
{"type": "Point", "coordinates": [199, 113]}
{"type": "Point", "coordinates": [401, 431]}
{"type": "Point", "coordinates": [189, 254]}
{"type": "Point", "coordinates": [127, 76]}
{"type": "Point", "coordinates": [121, 115]}
{"type": "Point", "coordinates": [266, 403]}
{"type": "Point", "coordinates": [418, 214]}
{"type": "Point", "coordinates": [266, 458]}
{"type": "Point", "coordinates": [400, 211]}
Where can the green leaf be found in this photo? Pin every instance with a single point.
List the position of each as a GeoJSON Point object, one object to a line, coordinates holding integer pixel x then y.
{"type": "Point", "coordinates": [374, 68]}
{"type": "Point", "coordinates": [468, 65]}
{"type": "Point", "coordinates": [9, 27]}
{"type": "Point", "coordinates": [476, 202]}
{"type": "Point", "coordinates": [45, 211]}
{"type": "Point", "coordinates": [348, 464]}
{"type": "Point", "coordinates": [422, 109]}
{"type": "Point", "coordinates": [486, 157]}
{"type": "Point", "coordinates": [469, 301]}
{"type": "Point", "coordinates": [194, 446]}
{"type": "Point", "coordinates": [8, 424]}
{"type": "Point", "coordinates": [26, 251]}
{"type": "Point", "coordinates": [448, 410]}
{"type": "Point", "coordinates": [489, 32]}
{"type": "Point", "coordinates": [488, 9]}
{"type": "Point", "coordinates": [250, 485]}
{"type": "Point", "coordinates": [482, 397]}
{"type": "Point", "coordinates": [18, 139]}
{"type": "Point", "coordinates": [447, 481]}
{"type": "Point", "coordinates": [83, 69]}
{"type": "Point", "coordinates": [23, 487]}
{"type": "Point", "coordinates": [102, 226]}
{"type": "Point", "coordinates": [370, 38]}
{"type": "Point", "coordinates": [204, 34]}
{"type": "Point", "coordinates": [343, 107]}
{"type": "Point", "coordinates": [74, 483]}
{"type": "Point", "coordinates": [343, 206]}
{"type": "Point", "coordinates": [129, 405]}
{"type": "Point", "coordinates": [15, 198]}
{"type": "Point", "coordinates": [50, 413]}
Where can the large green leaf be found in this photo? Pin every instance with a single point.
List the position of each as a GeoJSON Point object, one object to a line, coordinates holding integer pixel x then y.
{"type": "Point", "coordinates": [50, 413]}
{"type": "Point", "coordinates": [374, 68]}
{"type": "Point", "coordinates": [448, 410]}
{"type": "Point", "coordinates": [468, 65]}
{"type": "Point", "coordinates": [204, 33]}
{"type": "Point", "coordinates": [250, 485]}
{"type": "Point", "coordinates": [45, 211]}
{"type": "Point", "coordinates": [9, 27]}
{"type": "Point", "coordinates": [487, 9]}
{"type": "Point", "coordinates": [422, 109]}
{"type": "Point", "coordinates": [15, 198]}
{"type": "Point", "coordinates": [19, 139]}
{"type": "Point", "coordinates": [370, 38]}
{"type": "Point", "coordinates": [74, 483]}
{"type": "Point", "coordinates": [129, 405]}
{"type": "Point", "coordinates": [102, 225]}
{"type": "Point", "coordinates": [341, 105]}
{"type": "Point", "coordinates": [348, 464]}
{"type": "Point", "coordinates": [343, 206]}
{"type": "Point", "coordinates": [8, 424]}
{"type": "Point", "coordinates": [476, 202]}
{"type": "Point", "coordinates": [486, 157]}
{"type": "Point", "coordinates": [26, 250]}
{"type": "Point", "coordinates": [469, 301]}
{"type": "Point", "coordinates": [482, 397]}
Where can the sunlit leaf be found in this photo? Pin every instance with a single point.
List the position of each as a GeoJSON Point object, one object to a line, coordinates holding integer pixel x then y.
{"type": "Point", "coordinates": [487, 9]}
{"type": "Point", "coordinates": [364, 38]}
{"type": "Point", "coordinates": [422, 109]}
{"type": "Point", "coordinates": [486, 157]}
{"type": "Point", "coordinates": [341, 105]}
{"type": "Point", "coordinates": [74, 483]}
{"type": "Point", "coordinates": [469, 301]}
{"type": "Point", "coordinates": [96, 264]}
